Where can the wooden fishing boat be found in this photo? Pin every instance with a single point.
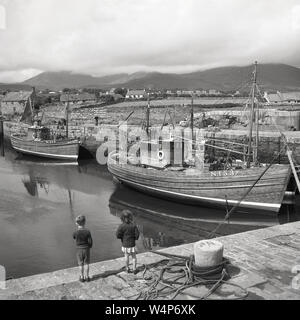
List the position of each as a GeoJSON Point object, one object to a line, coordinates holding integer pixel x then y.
{"type": "Point", "coordinates": [38, 141]}
{"type": "Point", "coordinates": [217, 189]}
{"type": "Point", "coordinates": [64, 149]}
{"type": "Point", "coordinates": [248, 185]}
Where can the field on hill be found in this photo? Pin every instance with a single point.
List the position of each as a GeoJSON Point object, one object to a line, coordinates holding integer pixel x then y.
{"type": "Point", "coordinates": [170, 110]}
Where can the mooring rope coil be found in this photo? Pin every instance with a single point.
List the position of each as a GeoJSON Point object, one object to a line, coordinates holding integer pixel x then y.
{"type": "Point", "coordinates": [188, 275]}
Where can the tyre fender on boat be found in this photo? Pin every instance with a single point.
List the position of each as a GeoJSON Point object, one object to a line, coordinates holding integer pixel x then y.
{"type": "Point", "coordinates": [160, 155]}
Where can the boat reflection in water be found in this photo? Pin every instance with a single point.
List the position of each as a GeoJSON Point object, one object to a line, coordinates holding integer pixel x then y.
{"type": "Point", "coordinates": [31, 184]}
{"type": "Point", "coordinates": [163, 223]}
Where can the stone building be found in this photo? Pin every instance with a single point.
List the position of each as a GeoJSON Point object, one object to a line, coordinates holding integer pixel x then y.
{"type": "Point", "coordinates": [14, 103]}
{"type": "Point", "coordinates": [213, 92]}
{"type": "Point", "coordinates": [78, 98]}
{"type": "Point", "coordinates": [281, 98]}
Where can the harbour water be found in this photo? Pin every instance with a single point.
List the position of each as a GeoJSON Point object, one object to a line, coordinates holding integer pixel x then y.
{"type": "Point", "coordinates": [39, 200]}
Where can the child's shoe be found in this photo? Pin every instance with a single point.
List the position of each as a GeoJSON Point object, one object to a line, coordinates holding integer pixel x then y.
{"type": "Point", "coordinates": [81, 279]}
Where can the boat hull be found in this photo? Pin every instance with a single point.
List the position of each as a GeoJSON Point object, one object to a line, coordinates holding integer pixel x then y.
{"type": "Point", "coordinates": [65, 150]}
{"type": "Point", "coordinates": [217, 189]}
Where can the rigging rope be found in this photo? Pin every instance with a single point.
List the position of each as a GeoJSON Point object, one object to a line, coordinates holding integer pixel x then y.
{"type": "Point", "coordinates": [213, 233]}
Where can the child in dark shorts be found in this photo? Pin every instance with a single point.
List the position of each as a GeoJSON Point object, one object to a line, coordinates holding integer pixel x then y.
{"type": "Point", "coordinates": [84, 243]}
{"type": "Point", "coordinates": [128, 233]}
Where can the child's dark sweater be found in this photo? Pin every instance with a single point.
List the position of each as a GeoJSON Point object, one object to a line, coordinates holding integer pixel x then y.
{"type": "Point", "coordinates": [83, 238]}
{"type": "Point", "coordinates": [128, 233]}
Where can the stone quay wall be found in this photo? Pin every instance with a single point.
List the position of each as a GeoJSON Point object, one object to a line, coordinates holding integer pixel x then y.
{"type": "Point", "coordinates": [93, 136]}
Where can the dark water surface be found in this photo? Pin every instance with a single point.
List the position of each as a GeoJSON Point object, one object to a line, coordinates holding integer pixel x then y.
{"type": "Point", "coordinates": [39, 200]}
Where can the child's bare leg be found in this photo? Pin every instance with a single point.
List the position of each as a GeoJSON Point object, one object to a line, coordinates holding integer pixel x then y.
{"type": "Point", "coordinates": [127, 261]}
{"type": "Point", "coordinates": [134, 261]}
{"type": "Point", "coordinates": [87, 270]}
{"type": "Point", "coordinates": [81, 268]}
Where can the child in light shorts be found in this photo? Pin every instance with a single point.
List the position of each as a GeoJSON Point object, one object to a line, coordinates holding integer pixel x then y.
{"type": "Point", "coordinates": [128, 233]}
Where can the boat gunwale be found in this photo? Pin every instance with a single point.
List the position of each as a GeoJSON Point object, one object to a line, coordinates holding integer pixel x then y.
{"type": "Point", "coordinates": [195, 188]}
{"type": "Point", "coordinates": [43, 143]}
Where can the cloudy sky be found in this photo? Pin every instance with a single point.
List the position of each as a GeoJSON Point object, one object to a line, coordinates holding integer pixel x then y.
{"type": "Point", "coordinates": [101, 37]}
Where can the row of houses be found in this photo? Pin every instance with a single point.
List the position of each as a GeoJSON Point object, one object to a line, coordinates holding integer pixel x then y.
{"type": "Point", "coordinates": [196, 92]}
{"type": "Point", "coordinates": [273, 98]}
{"type": "Point", "coordinates": [14, 103]}
{"type": "Point", "coordinates": [141, 94]}
{"type": "Point", "coordinates": [82, 98]}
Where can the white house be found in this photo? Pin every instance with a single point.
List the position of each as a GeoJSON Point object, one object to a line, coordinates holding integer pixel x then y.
{"type": "Point", "coordinates": [136, 94]}
{"type": "Point", "coordinates": [213, 92]}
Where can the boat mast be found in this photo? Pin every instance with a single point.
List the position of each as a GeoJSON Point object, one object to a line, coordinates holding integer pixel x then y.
{"type": "Point", "coordinates": [257, 133]}
{"type": "Point", "coordinates": [1, 136]}
{"type": "Point", "coordinates": [31, 105]}
{"type": "Point", "coordinates": [252, 115]}
{"type": "Point", "coordinates": [148, 116]}
{"type": "Point", "coordinates": [192, 121]}
{"type": "Point", "coordinates": [67, 116]}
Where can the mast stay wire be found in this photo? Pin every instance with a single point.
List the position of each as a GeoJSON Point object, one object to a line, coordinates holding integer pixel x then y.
{"type": "Point", "coordinates": [213, 233]}
{"type": "Point", "coordinates": [289, 152]}
{"type": "Point", "coordinates": [278, 129]}
{"type": "Point", "coordinates": [244, 84]}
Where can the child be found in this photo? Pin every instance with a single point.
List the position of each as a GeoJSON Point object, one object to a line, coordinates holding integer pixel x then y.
{"type": "Point", "coordinates": [84, 242]}
{"type": "Point", "coordinates": [128, 233]}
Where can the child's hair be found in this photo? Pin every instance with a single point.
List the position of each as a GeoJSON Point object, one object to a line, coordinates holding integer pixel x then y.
{"type": "Point", "coordinates": [80, 220]}
{"type": "Point", "coordinates": [127, 216]}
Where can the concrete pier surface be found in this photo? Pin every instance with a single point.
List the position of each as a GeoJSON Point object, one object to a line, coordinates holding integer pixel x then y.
{"type": "Point", "coordinates": [264, 262]}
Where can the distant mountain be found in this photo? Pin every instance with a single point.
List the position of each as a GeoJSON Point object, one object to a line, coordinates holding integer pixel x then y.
{"type": "Point", "coordinates": [270, 77]}
{"type": "Point", "coordinates": [66, 79]}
